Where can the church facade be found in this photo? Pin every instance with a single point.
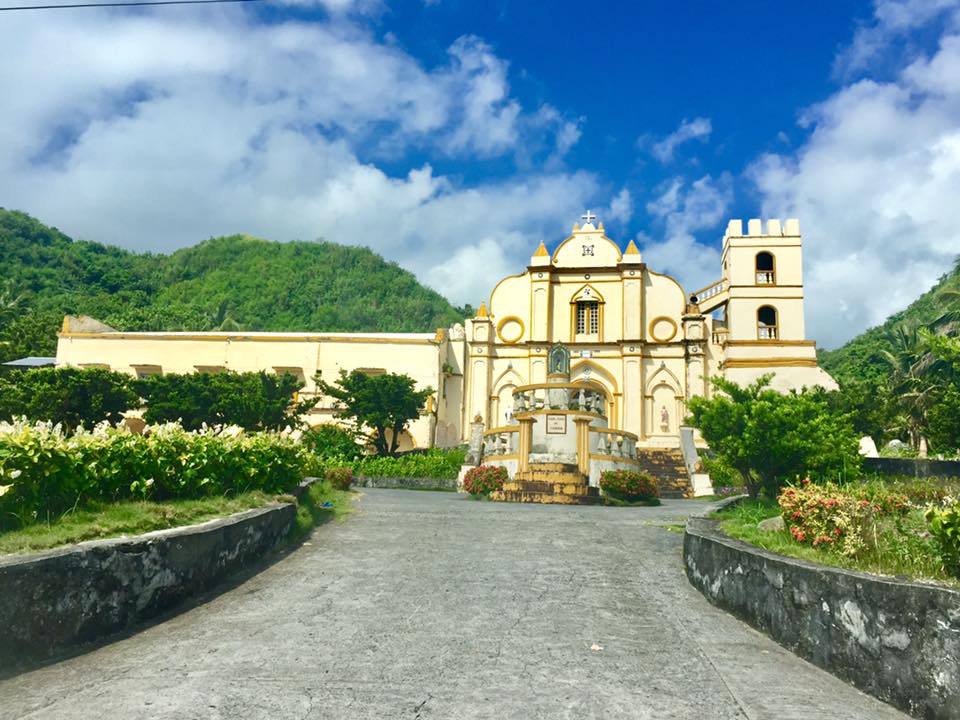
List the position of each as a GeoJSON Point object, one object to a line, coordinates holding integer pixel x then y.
{"type": "Point", "coordinates": [634, 334]}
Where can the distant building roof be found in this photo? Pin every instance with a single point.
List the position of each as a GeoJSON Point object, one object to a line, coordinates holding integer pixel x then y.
{"type": "Point", "coordinates": [32, 362]}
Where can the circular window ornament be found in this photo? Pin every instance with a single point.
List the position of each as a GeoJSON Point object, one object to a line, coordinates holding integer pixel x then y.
{"type": "Point", "coordinates": [663, 329]}
{"type": "Point", "coordinates": [539, 275]}
{"type": "Point", "coordinates": [632, 273]}
{"type": "Point", "coordinates": [510, 329]}
{"type": "Point", "coordinates": [587, 276]}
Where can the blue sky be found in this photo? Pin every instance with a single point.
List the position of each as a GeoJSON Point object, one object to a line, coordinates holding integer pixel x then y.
{"type": "Point", "coordinates": [452, 137]}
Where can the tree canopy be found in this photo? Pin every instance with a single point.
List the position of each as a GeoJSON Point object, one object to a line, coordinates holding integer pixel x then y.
{"type": "Point", "coordinates": [377, 404]}
{"type": "Point", "coordinates": [771, 438]}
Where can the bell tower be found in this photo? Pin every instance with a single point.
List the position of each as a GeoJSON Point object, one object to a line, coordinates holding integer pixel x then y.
{"type": "Point", "coordinates": [763, 270]}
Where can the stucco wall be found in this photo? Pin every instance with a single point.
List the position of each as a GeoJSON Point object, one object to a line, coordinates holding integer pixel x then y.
{"type": "Point", "coordinates": [897, 640]}
{"type": "Point", "coordinates": [54, 601]}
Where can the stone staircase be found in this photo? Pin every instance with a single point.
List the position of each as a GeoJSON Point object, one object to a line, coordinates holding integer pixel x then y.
{"type": "Point", "coordinates": [554, 483]}
{"type": "Point", "coordinates": [668, 469]}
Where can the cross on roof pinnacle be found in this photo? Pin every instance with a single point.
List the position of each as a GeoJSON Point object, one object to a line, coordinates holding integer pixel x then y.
{"type": "Point", "coordinates": [588, 216]}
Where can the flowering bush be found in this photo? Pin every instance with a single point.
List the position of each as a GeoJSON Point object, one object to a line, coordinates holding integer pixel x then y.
{"type": "Point", "coordinates": [484, 479]}
{"type": "Point", "coordinates": [45, 472]}
{"type": "Point", "coordinates": [945, 528]}
{"type": "Point", "coordinates": [630, 485]}
{"type": "Point", "coordinates": [841, 518]}
{"type": "Point", "coordinates": [339, 477]}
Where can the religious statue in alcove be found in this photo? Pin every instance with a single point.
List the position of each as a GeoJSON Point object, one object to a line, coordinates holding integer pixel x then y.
{"type": "Point", "coordinates": [664, 418]}
{"type": "Point", "coordinates": [558, 360]}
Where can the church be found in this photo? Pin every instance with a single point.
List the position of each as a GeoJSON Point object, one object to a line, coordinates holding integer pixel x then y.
{"type": "Point", "coordinates": [642, 343]}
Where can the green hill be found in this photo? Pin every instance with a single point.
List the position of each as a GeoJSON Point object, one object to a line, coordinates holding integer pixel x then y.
{"type": "Point", "coordinates": [236, 282]}
{"type": "Point", "coordinates": [861, 358]}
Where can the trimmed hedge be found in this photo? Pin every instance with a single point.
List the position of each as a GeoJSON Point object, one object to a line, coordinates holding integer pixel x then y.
{"type": "Point", "coordinates": [44, 472]}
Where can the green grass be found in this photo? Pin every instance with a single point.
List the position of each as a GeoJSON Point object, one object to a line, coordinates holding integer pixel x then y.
{"type": "Point", "coordinates": [310, 510]}
{"type": "Point", "coordinates": [908, 553]}
{"type": "Point", "coordinates": [110, 520]}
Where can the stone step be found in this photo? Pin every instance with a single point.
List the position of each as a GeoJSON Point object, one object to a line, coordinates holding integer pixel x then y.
{"type": "Point", "coordinates": [669, 470]}
{"type": "Point", "coordinates": [560, 477]}
{"type": "Point", "coordinates": [527, 486]}
{"type": "Point", "coordinates": [544, 498]}
{"type": "Point", "coordinates": [555, 467]}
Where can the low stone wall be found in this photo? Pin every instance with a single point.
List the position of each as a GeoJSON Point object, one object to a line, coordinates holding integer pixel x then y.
{"type": "Point", "coordinates": [898, 641]}
{"type": "Point", "coordinates": [406, 483]}
{"type": "Point", "coordinates": [54, 601]}
{"type": "Point", "coordinates": [913, 467]}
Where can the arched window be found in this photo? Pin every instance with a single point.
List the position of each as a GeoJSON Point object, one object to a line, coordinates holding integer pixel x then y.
{"type": "Point", "coordinates": [767, 323]}
{"type": "Point", "coordinates": [588, 317]}
{"type": "Point", "coordinates": [766, 270]}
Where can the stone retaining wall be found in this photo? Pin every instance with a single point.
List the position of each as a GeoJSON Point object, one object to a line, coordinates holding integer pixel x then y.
{"type": "Point", "coordinates": [897, 640]}
{"type": "Point", "coordinates": [913, 467]}
{"type": "Point", "coordinates": [53, 601]}
{"type": "Point", "coordinates": [407, 483]}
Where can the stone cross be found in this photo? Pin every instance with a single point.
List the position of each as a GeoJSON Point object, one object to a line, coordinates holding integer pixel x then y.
{"type": "Point", "coordinates": [588, 216]}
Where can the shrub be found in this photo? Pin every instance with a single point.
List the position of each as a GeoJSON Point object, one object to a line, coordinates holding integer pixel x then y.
{"type": "Point", "coordinates": [333, 441]}
{"type": "Point", "coordinates": [44, 472]}
{"type": "Point", "coordinates": [253, 400]}
{"type": "Point", "coordinates": [630, 485]}
{"type": "Point", "coordinates": [70, 397]}
{"type": "Point", "coordinates": [770, 438]}
{"type": "Point", "coordinates": [484, 479]}
{"type": "Point", "coordinates": [846, 519]}
{"type": "Point", "coordinates": [945, 528]}
{"type": "Point", "coordinates": [340, 478]}
{"type": "Point", "coordinates": [434, 463]}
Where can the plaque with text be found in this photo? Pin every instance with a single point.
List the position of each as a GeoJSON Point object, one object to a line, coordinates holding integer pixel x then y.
{"type": "Point", "coordinates": [556, 424]}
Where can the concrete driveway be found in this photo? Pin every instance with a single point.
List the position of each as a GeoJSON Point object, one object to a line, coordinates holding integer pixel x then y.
{"type": "Point", "coordinates": [430, 605]}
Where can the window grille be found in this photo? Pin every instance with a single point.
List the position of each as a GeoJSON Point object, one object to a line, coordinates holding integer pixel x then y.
{"type": "Point", "coordinates": [588, 318]}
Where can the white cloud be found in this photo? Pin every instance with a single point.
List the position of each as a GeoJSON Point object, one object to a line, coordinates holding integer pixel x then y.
{"type": "Point", "coordinates": [683, 211]}
{"type": "Point", "coordinates": [696, 129]}
{"type": "Point", "coordinates": [892, 20]}
{"type": "Point", "coordinates": [155, 131]}
{"type": "Point", "coordinates": [620, 209]}
{"type": "Point", "coordinates": [875, 187]}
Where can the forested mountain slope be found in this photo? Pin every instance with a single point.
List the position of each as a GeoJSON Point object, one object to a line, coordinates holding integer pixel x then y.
{"type": "Point", "coordinates": [230, 283]}
{"type": "Point", "coordinates": [862, 358]}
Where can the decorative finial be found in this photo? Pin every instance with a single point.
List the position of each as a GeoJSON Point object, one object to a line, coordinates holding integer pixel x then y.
{"type": "Point", "coordinates": [632, 249]}
{"type": "Point", "coordinates": [482, 312]}
{"type": "Point", "coordinates": [541, 250]}
{"type": "Point", "coordinates": [588, 216]}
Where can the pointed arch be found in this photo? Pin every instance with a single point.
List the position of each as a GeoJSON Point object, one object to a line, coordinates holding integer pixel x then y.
{"type": "Point", "coordinates": [664, 376]}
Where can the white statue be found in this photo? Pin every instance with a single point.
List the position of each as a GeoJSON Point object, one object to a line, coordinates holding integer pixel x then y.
{"type": "Point", "coordinates": [664, 418]}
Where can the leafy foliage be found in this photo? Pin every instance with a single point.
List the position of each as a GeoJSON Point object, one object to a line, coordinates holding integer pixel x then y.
{"type": "Point", "coordinates": [340, 478]}
{"type": "Point", "coordinates": [771, 438]}
{"type": "Point", "coordinates": [44, 472]}
{"type": "Point", "coordinates": [333, 441]}
{"type": "Point", "coordinates": [67, 396]}
{"type": "Point", "coordinates": [434, 463]}
{"type": "Point", "coordinates": [839, 517]}
{"type": "Point", "coordinates": [630, 485]}
{"type": "Point", "coordinates": [484, 479]}
{"type": "Point", "coordinates": [229, 283]}
{"type": "Point", "coordinates": [945, 528]}
{"type": "Point", "coordinates": [380, 403]}
{"type": "Point", "coordinates": [253, 401]}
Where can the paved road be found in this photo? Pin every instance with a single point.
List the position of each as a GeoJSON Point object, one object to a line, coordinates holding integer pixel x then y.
{"type": "Point", "coordinates": [429, 605]}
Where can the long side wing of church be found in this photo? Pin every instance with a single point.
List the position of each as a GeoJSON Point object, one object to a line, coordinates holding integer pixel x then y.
{"type": "Point", "coordinates": [634, 334]}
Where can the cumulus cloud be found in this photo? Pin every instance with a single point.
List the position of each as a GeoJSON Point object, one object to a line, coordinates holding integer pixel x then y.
{"type": "Point", "coordinates": [875, 187]}
{"type": "Point", "coordinates": [156, 131]}
{"type": "Point", "coordinates": [892, 20]}
{"type": "Point", "coordinates": [696, 129]}
{"type": "Point", "coordinates": [682, 211]}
